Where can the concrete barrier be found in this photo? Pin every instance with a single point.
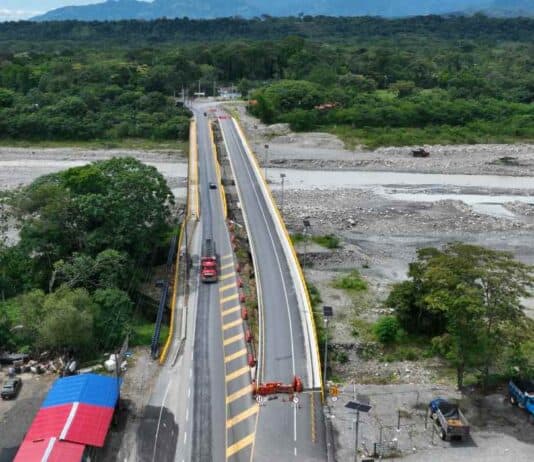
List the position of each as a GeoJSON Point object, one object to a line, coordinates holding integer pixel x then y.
{"type": "Point", "coordinates": [218, 173]}
{"type": "Point", "coordinates": [297, 275]}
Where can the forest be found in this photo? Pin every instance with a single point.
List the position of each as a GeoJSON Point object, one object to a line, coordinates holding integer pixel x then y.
{"type": "Point", "coordinates": [90, 237]}
{"type": "Point", "coordinates": [372, 81]}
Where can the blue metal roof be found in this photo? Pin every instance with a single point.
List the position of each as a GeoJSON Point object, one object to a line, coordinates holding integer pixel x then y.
{"type": "Point", "coordinates": [97, 390]}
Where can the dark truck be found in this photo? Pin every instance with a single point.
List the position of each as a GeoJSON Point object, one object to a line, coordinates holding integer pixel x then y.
{"type": "Point", "coordinates": [209, 262]}
{"type": "Point", "coordinates": [449, 420]}
{"type": "Point", "coordinates": [521, 393]}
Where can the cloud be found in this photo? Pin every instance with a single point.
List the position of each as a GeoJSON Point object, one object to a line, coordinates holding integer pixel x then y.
{"type": "Point", "coordinates": [7, 14]}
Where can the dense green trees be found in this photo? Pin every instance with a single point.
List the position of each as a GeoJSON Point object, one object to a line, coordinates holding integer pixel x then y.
{"type": "Point", "coordinates": [393, 81]}
{"type": "Point", "coordinates": [87, 234]}
{"type": "Point", "coordinates": [468, 298]}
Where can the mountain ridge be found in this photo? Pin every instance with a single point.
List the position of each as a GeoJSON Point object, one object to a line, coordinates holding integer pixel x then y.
{"type": "Point", "coordinates": [133, 9]}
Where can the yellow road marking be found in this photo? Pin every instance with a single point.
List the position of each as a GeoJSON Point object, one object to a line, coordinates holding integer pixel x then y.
{"type": "Point", "coordinates": [232, 324]}
{"type": "Point", "coordinates": [231, 310]}
{"type": "Point", "coordinates": [233, 339]}
{"type": "Point", "coordinates": [230, 297]}
{"type": "Point", "coordinates": [228, 265]}
{"type": "Point", "coordinates": [237, 354]}
{"type": "Point", "coordinates": [242, 416]}
{"type": "Point", "coordinates": [239, 394]}
{"type": "Point", "coordinates": [241, 444]}
{"type": "Point", "coordinates": [227, 286]}
{"type": "Point", "coordinates": [226, 257]}
{"type": "Point", "coordinates": [227, 276]}
{"type": "Point", "coordinates": [234, 375]}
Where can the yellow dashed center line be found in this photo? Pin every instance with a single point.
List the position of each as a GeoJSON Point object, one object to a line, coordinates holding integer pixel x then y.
{"type": "Point", "coordinates": [242, 416]}
{"type": "Point", "coordinates": [228, 265]}
{"type": "Point", "coordinates": [231, 310]}
{"type": "Point", "coordinates": [227, 286]}
{"type": "Point", "coordinates": [232, 324]}
{"type": "Point", "coordinates": [241, 444]}
{"type": "Point", "coordinates": [234, 375]}
{"type": "Point", "coordinates": [239, 394]}
{"type": "Point", "coordinates": [237, 354]}
{"type": "Point", "coordinates": [227, 276]}
{"type": "Point", "coordinates": [233, 339]}
{"type": "Point", "coordinates": [230, 297]}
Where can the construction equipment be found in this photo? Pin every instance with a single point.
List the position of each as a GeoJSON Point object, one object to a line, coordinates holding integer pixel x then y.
{"type": "Point", "coordinates": [209, 262]}
{"type": "Point", "coordinates": [421, 152]}
{"type": "Point", "coordinates": [275, 388]}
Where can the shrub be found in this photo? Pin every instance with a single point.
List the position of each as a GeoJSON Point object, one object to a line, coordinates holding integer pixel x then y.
{"type": "Point", "coordinates": [352, 281]}
{"type": "Point", "coordinates": [386, 329]}
{"type": "Point", "coordinates": [329, 241]}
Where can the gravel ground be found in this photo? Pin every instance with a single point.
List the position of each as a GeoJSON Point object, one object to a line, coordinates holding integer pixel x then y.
{"type": "Point", "coordinates": [20, 166]}
{"type": "Point", "coordinates": [17, 415]}
{"type": "Point", "coordinates": [498, 431]}
{"type": "Point", "coordinates": [325, 151]}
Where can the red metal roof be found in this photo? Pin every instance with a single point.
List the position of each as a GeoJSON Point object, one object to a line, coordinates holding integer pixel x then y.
{"type": "Point", "coordinates": [48, 422]}
{"type": "Point", "coordinates": [90, 425]}
{"type": "Point", "coordinates": [78, 423]}
{"type": "Point", "coordinates": [49, 450]}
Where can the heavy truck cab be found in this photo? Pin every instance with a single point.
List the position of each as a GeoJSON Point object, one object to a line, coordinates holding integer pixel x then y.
{"type": "Point", "coordinates": [209, 262]}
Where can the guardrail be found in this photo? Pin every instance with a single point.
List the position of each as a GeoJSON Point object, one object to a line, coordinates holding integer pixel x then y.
{"type": "Point", "coordinates": [301, 290]}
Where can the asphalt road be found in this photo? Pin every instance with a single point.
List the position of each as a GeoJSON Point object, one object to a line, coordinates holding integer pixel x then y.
{"type": "Point", "coordinates": [285, 431]}
{"type": "Point", "coordinates": [224, 414]}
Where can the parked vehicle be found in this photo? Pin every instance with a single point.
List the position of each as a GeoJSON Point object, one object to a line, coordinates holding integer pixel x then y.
{"type": "Point", "coordinates": [213, 186]}
{"type": "Point", "coordinates": [11, 388]}
{"type": "Point", "coordinates": [521, 393]}
{"type": "Point", "coordinates": [449, 420]}
{"type": "Point", "coordinates": [209, 262]}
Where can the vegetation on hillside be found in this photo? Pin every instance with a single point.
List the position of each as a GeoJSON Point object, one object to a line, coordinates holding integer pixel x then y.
{"type": "Point", "coordinates": [409, 81]}
{"type": "Point", "coordinates": [88, 238]}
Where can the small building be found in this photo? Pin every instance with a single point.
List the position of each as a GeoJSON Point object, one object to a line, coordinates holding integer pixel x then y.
{"type": "Point", "coordinates": [74, 417]}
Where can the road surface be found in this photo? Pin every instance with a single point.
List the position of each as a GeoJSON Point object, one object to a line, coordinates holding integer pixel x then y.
{"type": "Point", "coordinates": [285, 431]}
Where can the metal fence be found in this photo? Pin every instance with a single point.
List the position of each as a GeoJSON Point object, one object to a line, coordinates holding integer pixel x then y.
{"type": "Point", "coordinates": [154, 345]}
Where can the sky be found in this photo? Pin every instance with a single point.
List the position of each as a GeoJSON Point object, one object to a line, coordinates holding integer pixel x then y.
{"type": "Point", "coordinates": [13, 10]}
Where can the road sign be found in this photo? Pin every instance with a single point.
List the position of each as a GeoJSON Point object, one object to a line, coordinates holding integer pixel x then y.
{"type": "Point", "coordinates": [296, 399]}
{"type": "Point", "coordinates": [334, 391]}
{"type": "Point", "coordinates": [259, 399]}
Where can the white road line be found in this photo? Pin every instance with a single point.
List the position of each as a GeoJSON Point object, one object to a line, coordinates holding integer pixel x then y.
{"type": "Point", "coordinates": [159, 421]}
{"type": "Point", "coordinates": [187, 415]}
{"type": "Point", "coordinates": [190, 372]}
{"type": "Point", "coordinates": [189, 392]}
{"type": "Point", "coordinates": [185, 438]}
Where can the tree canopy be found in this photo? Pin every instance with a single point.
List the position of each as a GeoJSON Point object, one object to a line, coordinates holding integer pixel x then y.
{"type": "Point", "coordinates": [469, 298]}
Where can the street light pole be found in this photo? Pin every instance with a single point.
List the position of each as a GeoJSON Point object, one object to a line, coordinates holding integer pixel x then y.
{"type": "Point", "coordinates": [283, 176]}
{"type": "Point", "coordinates": [328, 312]}
{"type": "Point", "coordinates": [357, 428]}
{"type": "Point", "coordinates": [266, 161]}
{"type": "Point", "coordinates": [325, 349]}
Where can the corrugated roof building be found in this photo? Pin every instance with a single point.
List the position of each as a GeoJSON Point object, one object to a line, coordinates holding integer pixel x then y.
{"type": "Point", "coordinates": [76, 413]}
